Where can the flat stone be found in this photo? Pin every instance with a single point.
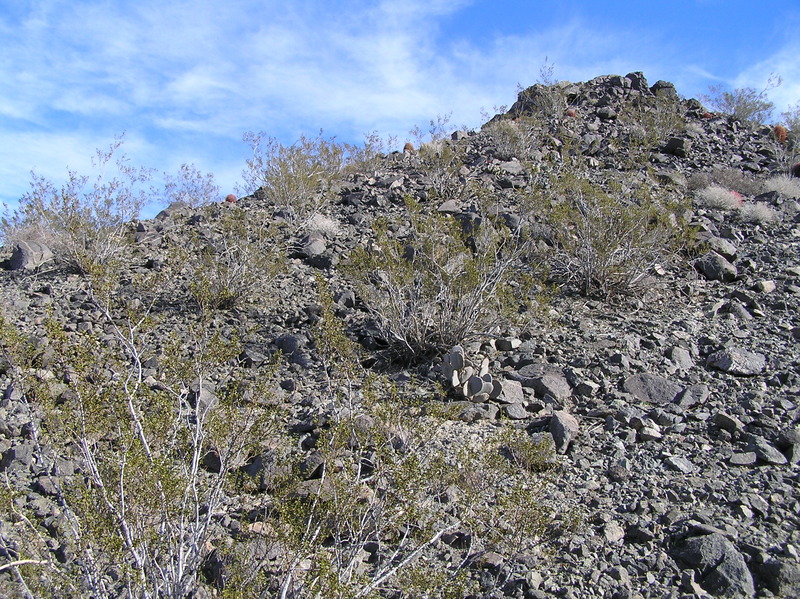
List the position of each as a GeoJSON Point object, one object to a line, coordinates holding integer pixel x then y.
{"type": "Point", "coordinates": [512, 392]}
{"type": "Point", "coordinates": [507, 344]}
{"type": "Point", "coordinates": [747, 458]}
{"type": "Point", "coordinates": [682, 358]}
{"type": "Point", "coordinates": [613, 533]}
{"type": "Point", "coordinates": [554, 385]}
{"type": "Point", "coordinates": [652, 388]}
{"type": "Point", "coordinates": [766, 452]}
{"type": "Point", "coordinates": [515, 411]}
{"type": "Point", "coordinates": [649, 433]}
{"type": "Point", "coordinates": [716, 267]}
{"type": "Point", "coordinates": [28, 255]}
{"type": "Point", "coordinates": [738, 361]}
{"type": "Point", "coordinates": [680, 464]}
{"type": "Point", "coordinates": [693, 395]}
{"type": "Point", "coordinates": [781, 576]}
{"type": "Point", "coordinates": [727, 422]}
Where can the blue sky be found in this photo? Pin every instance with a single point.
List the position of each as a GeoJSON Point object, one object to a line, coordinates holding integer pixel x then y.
{"type": "Point", "coordinates": [184, 79]}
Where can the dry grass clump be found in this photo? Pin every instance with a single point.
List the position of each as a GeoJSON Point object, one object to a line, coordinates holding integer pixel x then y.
{"type": "Point", "coordinates": [324, 225]}
{"type": "Point", "coordinates": [758, 213]}
{"type": "Point", "coordinates": [788, 187]}
{"type": "Point", "coordinates": [727, 177]}
{"type": "Point", "coordinates": [716, 196]}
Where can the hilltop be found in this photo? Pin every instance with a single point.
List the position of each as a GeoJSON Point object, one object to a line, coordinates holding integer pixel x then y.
{"type": "Point", "coordinates": [554, 357]}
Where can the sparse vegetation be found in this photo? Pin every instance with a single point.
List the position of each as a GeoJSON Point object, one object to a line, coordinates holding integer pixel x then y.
{"type": "Point", "coordinates": [758, 213]}
{"type": "Point", "coordinates": [229, 262]}
{"type": "Point", "coordinates": [85, 220]}
{"type": "Point", "coordinates": [716, 196]}
{"type": "Point", "coordinates": [744, 103]}
{"type": "Point", "coordinates": [154, 457]}
{"type": "Point", "coordinates": [208, 409]}
{"type": "Point", "coordinates": [191, 187]}
{"type": "Point", "coordinates": [601, 242]}
{"type": "Point", "coordinates": [788, 187]}
{"type": "Point", "coordinates": [440, 284]}
{"type": "Point", "coordinates": [297, 180]}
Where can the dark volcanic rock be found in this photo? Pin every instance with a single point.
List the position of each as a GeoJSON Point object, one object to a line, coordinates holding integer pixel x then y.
{"type": "Point", "coordinates": [721, 567]}
{"type": "Point", "coordinates": [738, 361]}
{"type": "Point", "coordinates": [652, 388]}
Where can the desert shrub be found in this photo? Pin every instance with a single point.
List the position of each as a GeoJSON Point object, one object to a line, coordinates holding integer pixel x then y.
{"type": "Point", "coordinates": [513, 138]}
{"type": "Point", "coordinates": [440, 285]}
{"type": "Point", "coordinates": [745, 104]}
{"type": "Point", "coordinates": [297, 180]}
{"type": "Point", "coordinates": [230, 260]}
{"type": "Point", "coordinates": [791, 119]}
{"type": "Point", "coordinates": [84, 220]}
{"type": "Point", "coordinates": [369, 156]}
{"type": "Point", "coordinates": [440, 161]}
{"type": "Point", "coordinates": [191, 187]}
{"type": "Point", "coordinates": [719, 197]}
{"type": "Point", "coordinates": [650, 121]}
{"type": "Point", "coordinates": [601, 242]}
{"type": "Point", "coordinates": [545, 100]}
{"type": "Point", "coordinates": [153, 458]}
{"type": "Point", "coordinates": [382, 497]}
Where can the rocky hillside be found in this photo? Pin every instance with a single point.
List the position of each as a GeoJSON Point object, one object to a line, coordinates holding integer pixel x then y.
{"type": "Point", "coordinates": [600, 398]}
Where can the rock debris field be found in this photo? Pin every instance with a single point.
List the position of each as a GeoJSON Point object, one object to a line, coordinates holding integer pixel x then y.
{"type": "Point", "coordinates": [668, 406]}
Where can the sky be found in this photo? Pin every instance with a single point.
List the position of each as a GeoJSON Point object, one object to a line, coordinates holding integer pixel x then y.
{"type": "Point", "coordinates": [183, 80]}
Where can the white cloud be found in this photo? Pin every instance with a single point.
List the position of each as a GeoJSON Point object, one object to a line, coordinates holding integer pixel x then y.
{"type": "Point", "coordinates": [190, 76]}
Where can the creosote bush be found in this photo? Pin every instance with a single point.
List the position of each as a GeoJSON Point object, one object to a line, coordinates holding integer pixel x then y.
{"type": "Point", "coordinates": [154, 457]}
{"type": "Point", "coordinates": [84, 220]}
{"type": "Point", "coordinates": [605, 242]}
{"type": "Point", "coordinates": [229, 261]}
{"type": "Point", "coordinates": [651, 120]}
{"type": "Point", "coordinates": [745, 104]}
{"type": "Point", "coordinates": [191, 187]}
{"type": "Point", "coordinates": [297, 180]}
{"type": "Point", "coordinates": [441, 284]}
{"type": "Point", "coordinates": [514, 138]}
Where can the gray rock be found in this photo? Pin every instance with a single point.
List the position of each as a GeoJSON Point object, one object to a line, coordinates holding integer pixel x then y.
{"type": "Point", "coordinates": [696, 394]}
{"type": "Point", "coordinates": [512, 392]}
{"type": "Point", "coordinates": [721, 246]}
{"type": "Point", "coordinates": [564, 428]}
{"type": "Point", "coordinates": [515, 411]}
{"type": "Point", "coordinates": [747, 458]}
{"type": "Point", "coordinates": [715, 267]}
{"type": "Point", "coordinates": [781, 576]}
{"type": "Point", "coordinates": [473, 412]}
{"type": "Point", "coordinates": [652, 388]}
{"type": "Point", "coordinates": [554, 385]}
{"type": "Point", "coordinates": [678, 146]}
{"type": "Point", "coordinates": [680, 464]}
{"type": "Point", "coordinates": [766, 452]}
{"type": "Point", "coordinates": [727, 422]}
{"type": "Point", "coordinates": [28, 255]}
{"type": "Point", "coordinates": [737, 361]}
{"type": "Point", "coordinates": [544, 379]}
{"type": "Point", "coordinates": [682, 358]}
{"type": "Point", "coordinates": [722, 569]}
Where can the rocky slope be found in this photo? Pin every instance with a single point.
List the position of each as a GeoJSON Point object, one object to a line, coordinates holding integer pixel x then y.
{"type": "Point", "coordinates": [674, 409]}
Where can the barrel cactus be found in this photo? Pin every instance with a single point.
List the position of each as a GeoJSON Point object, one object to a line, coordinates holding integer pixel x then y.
{"type": "Point", "coordinates": [467, 379]}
